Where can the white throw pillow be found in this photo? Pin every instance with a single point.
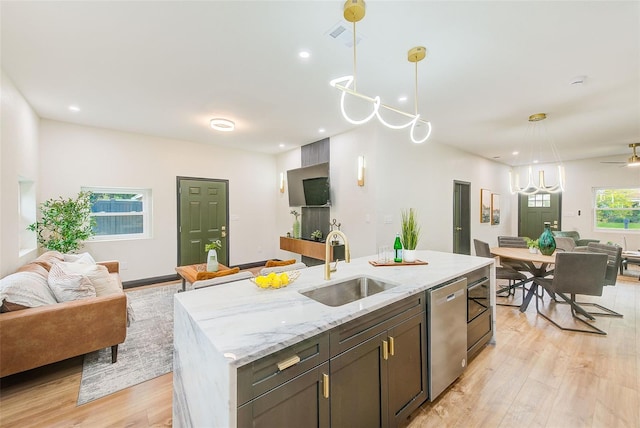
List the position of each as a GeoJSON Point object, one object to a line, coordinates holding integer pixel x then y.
{"type": "Point", "coordinates": [80, 258]}
{"type": "Point", "coordinates": [68, 286]}
{"type": "Point", "coordinates": [103, 282]}
{"type": "Point", "coordinates": [27, 289]}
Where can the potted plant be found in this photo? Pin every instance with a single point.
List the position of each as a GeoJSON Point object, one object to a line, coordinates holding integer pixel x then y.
{"type": "Point", "coordinates": [65, 223]}
{"type": "Point", "coordinates": [316, 235]}
{"type": "Point", "coordinates": [212, 255]}
{"type": "Point", "coordinates": [410, 234]}
{"type": "Point", "coordinates": [532, 245]}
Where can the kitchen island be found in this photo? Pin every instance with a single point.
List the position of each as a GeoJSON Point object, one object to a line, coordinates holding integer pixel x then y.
{"type": "Point", "coordinates": [220, 330]}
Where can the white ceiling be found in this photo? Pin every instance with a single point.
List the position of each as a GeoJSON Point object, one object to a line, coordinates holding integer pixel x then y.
{"type": "Point", "coordinates": [166, 68]}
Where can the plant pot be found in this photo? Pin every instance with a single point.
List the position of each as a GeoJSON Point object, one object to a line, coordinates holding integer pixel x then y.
{"type": "Point", "coordinates": [533, 250]}
{"type": "Point", "coordinates": [409, 256]}
{"type": "Point", "coordinates": [212, 261]}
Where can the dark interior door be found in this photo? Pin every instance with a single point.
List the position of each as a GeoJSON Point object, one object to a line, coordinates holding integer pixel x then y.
{"type": "Point", "coordinates": [461, 217]}
{"type": "Point", "coordinates": [535, 210]}
{"type": "Point", "coordinates": [202, 218]}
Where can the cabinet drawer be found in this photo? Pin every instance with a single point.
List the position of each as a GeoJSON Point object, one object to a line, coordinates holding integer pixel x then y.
{"type": "Point", "coordinates": [477, 275]}
{"type": "Point", "coordinates": [362, 328]}
{"type": "Point", "coordinates": [266, 373]}
{"type": "Point", "coordinates": [478, 328]}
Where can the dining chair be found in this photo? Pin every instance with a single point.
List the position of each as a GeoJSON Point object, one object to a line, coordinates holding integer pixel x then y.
{"type": "Point", "coordinates": [516, 279]}
{"type": "Point", "coordinates": [513, 242]}
{"type": "Point", "coordinates": [614, 258]}
{"type": "Point", "coordinates": [576, 273]}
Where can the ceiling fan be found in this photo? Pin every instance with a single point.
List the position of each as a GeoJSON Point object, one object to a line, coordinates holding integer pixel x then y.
{"type": "Point", "coordinates": [633, 161]}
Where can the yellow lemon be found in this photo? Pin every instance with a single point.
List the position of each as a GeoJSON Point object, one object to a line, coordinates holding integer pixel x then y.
{"type": "Point", "coordinates": [284, 278]}
{"type": "Point", "coordinates": [275, 282]}
{"type": "Point", "coordinates": [262, 282]}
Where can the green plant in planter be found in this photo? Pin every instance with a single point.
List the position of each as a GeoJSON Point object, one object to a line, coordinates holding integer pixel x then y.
{"type": "Point", "coordinates": [410, 229]}
{"type": "Point", "coordinates": [65, 223]}
{"type": "Point", "coordinates": [316, 234]}
{"type": "Point", "coordinates": [531, 243]}
{"type": "Point", "coordinates": [214, 245]}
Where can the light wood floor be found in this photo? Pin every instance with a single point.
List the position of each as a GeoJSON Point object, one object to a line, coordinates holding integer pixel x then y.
{"type": "Point", "coordinates": [534, 376]}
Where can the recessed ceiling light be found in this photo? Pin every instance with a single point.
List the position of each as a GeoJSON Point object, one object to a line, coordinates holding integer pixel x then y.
{"type": "Point", "coordinates": [515, 153]}
{"type": "Point", "coordinates": [74, 108]}
{"type": "Point", "coordinates": [321, 130]}
{"type": "Point", "coordinates": [402, 98]}
{"type": "Point", "coordinates": [304, 54]}
{"type": "Point", "coordinates": [224, 125]}
{"type": "Point", "coordinates": [281, 145]}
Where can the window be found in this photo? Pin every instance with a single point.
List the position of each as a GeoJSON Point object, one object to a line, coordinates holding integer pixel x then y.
{"type": "Point", "coordinates": [539, 200]}
{"type": "Point", "coordinates": [120, 213]}
{"type": "Point", "coordinates": [617, 209]}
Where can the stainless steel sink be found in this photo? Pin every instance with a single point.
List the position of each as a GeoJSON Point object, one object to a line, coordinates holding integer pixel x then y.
{"type": "Point", "coordinates": [348, 291]}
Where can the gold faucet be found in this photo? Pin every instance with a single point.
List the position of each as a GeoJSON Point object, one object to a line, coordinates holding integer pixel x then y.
{"type": "Point", "coordinates": [327, 252]}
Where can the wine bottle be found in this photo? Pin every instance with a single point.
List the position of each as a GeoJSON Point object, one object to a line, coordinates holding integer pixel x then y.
{"type": "Point", "coordinates": [397, 249]}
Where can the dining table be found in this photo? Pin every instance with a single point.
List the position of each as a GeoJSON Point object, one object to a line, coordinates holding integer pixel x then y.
{"type": "Point", "coordinates": [537, 264]}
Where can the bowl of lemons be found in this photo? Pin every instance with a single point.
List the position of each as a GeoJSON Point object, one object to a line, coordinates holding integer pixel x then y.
{"type": "Point", "coordinates": [275, 280]}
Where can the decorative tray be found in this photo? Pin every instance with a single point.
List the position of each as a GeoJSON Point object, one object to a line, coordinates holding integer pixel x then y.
{"type": "Point", "coordinates": [275, 280]}
{"type": "Point", "coordinates": [392, 263]}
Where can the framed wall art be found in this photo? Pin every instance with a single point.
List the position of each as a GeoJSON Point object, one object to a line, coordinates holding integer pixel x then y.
{"type": "Point", "coordinates": [495, 208]}
{"type": "Point", "coordinates": [485, 206]}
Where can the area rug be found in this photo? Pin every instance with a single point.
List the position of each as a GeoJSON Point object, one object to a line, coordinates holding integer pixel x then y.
{"type": "Point", "coordinates": [146, 353]}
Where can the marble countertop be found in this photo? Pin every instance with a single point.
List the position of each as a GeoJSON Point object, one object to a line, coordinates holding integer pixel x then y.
{"type": "Point", "coordinates": [244, 322]}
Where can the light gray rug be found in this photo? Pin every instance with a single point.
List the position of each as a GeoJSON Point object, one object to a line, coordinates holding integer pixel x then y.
{"type": "Point", "coordinates": [146, 353]}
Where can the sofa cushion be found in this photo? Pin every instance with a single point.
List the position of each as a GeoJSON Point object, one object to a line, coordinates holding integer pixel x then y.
{"type": "Point", "coordinates": [103, 282]}
{"type": "Point", "coordinates": [25, 289]}
{"type": "Point", "coordinates": [276, 263]}
{"type": "Point", "coordinates": [84, 258]}
{"type": "Point", "coordinates": [35, 268]}
{"type": "Point", "coordinates": [68, 285]}
{"type": "Point", "coordinates": [46, 259]}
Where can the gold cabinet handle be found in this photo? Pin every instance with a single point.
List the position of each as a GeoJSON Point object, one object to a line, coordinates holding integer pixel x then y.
{"type": "Point", "coordinates": [325, 385]}
{"type": "Point", "coordinates": [392, 346]}
{"type": "Point", "coordinates": [385, 350]}
{"type": "Point", "coordinates": [291, 361]}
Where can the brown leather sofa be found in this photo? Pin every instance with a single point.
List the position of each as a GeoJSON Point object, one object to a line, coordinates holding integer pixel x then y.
{"type": "Point", "coordinates": [34, 337]}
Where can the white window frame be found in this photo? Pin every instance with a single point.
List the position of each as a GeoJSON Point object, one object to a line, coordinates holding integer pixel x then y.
{"type": "Point", "coordinates": [146, 212]}
{"type": "Point", "coordinates": [596, 209]}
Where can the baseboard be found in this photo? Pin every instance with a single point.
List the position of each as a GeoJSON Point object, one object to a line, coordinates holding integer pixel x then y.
{"type": "Point", "coordinates": [149, 281]}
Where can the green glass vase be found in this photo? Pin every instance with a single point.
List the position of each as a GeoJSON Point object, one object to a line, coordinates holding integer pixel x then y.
{"type": "Point", "coordinates": [296, 229]}
{"type": "Point", "coordinates": [546, 241]}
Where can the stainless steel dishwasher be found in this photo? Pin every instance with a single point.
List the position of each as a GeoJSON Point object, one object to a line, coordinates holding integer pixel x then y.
{"type": "Point", "coordinates": [447, 334]}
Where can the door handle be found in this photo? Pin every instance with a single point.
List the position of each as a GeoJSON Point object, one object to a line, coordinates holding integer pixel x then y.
{"type": "Point", "coordinates": [385, 350]}
{"type": "Point", "coordinates": [392, 346]}
{"type": "Point", "coordinates": [458, 228]}
{"type": "Point", "coordinates": [325, 385]}
{"type": "Point", "coordinates": [223, 234]}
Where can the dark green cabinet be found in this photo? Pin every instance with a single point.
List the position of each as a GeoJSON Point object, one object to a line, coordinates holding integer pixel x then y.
{"type": "Point", "coordinates": [300, 402]}
{"type": "Point", "coordinates": [374, 375]}
{"type": "Point", "coordinates": [358, 386]}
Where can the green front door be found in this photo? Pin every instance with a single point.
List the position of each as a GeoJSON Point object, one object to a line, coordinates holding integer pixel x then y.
{"type": "Point", "coordinates": [535, 210]}
{"type": "Point", "coordinates": [202, 218]}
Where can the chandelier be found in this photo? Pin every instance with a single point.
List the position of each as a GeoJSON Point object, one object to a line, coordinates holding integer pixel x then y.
{"type": "Point", "coordinates": [537, 132]}
{"type": "Point", "coordinates": [354, 11]}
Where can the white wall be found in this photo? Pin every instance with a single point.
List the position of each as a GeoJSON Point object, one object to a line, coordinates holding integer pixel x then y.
{"type": "Point", "coordinates": [400, 175]}
{"type": "Point", "coordinates": [19, 160]}
{"type": "Point", "coordinates": [73, 156]}
{"type": "Point", "coordinates": [582, 177]}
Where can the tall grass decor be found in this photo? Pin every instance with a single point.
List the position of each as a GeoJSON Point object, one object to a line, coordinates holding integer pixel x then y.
{"type": "Point", "coordinates": [410, 229]}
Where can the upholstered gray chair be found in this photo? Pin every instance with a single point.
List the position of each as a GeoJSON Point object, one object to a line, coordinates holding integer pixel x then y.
{"type": "Point", "coordinates": [614, 258]}
{"type": "Point", "coordinates": [576, 273]}
{"type": "Point", "coordinates": [513, 242]}
{"type": "Point", "coordinates": [515, 278]}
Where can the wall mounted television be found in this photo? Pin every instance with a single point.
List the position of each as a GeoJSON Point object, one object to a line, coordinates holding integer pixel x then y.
{"type": "Point", "coordinates": [309, 186]}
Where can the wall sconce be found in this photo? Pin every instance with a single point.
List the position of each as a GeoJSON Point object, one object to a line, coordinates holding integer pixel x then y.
{"type": "Point", "coordinates": [361, 167]}
{"type": "Point", "coordinates": [282, 182]}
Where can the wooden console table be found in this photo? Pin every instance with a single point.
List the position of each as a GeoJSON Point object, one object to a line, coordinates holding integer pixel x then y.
{"type": "Point", "coordinates": [313, 249]}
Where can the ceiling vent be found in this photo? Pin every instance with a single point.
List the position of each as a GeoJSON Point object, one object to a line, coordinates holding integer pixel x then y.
{"type": "Point", "coordinates": [343, 34]}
